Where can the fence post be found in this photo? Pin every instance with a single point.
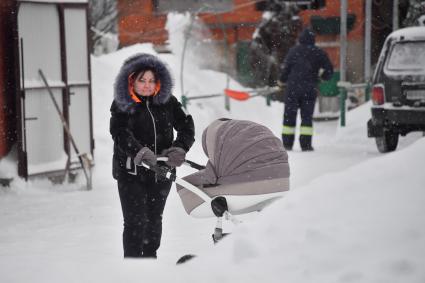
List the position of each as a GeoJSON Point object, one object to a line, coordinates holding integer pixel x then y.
{"type": "Point", "coordinates": [268, 100]}
{"type": "Point", "coordinates": [342, 98]}
{"type": "Point", "coordinates": [184, 101]}
{"type": "Point", "coordinates": [367, 91]}
{"type": "Point", "coordinates": [343, 88]}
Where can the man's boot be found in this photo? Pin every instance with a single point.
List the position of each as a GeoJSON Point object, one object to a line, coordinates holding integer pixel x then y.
{"type": "Point", "coordinates": [288, 141]}
{"type": "Point", "coordinates": [305, 142]}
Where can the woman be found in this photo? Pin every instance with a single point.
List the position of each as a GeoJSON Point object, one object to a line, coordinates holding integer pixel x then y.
{"type": "Point", "coordinates": [144, 114]}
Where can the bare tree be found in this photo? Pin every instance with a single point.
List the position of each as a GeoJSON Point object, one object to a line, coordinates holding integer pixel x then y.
{"type": "Point", "coordinates": [272, 39]}
{"type": "Point", "coordinates": [103, 18]}
{"type": "Point", "coordinates": [415, 13]}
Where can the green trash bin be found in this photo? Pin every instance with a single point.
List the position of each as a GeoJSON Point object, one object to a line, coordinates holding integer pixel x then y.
{"type": "Point", "coordinates": [328, 100]}
{"type": "Point", "coordinates": [330, 88]}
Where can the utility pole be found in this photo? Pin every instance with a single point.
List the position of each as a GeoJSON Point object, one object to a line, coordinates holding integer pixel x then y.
{"type": "Point", "coordinates": [342, 61]}
{"type": "Point", "coordinates": [395, 15]}
{"type": "Point", "coordinates": [368, 41]}
{"type": "Point", "coordinates": [368, 48]}
{"type": "Point", "coordinates": [343, 41]}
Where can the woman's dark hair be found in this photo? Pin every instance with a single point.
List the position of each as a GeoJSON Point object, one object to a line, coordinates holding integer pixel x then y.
{"type": "Point", "coordinates": [139, 73]}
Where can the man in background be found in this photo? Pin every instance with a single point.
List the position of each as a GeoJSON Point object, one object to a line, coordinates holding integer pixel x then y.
{"type": "Point", "coordinates": [300, 71]}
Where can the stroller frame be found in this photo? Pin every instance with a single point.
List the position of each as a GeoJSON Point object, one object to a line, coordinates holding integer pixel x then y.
{"type": "Point", "coordinates": [218, 203]}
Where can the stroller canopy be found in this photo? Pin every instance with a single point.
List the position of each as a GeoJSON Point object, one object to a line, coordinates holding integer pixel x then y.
{"type": "Point", "coordinates": [244, 158]}
{"type": "Point", "coordinates": [242, 151]}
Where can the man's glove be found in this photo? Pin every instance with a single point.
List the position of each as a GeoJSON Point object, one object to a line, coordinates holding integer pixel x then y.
{"type": "Point", "coordinates": [176, 156]}
{"type": "Point", "coordinates": [145, 155]}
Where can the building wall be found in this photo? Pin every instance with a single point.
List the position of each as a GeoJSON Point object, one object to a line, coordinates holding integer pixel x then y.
{"type": "Point", "coordinates": [138, 22]}
{"type": "Point", "coordinates": [239, 24]}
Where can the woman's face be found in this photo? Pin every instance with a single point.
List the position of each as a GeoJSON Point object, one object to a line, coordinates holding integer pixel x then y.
{"type": "Point", "coordinates": [145, 84]}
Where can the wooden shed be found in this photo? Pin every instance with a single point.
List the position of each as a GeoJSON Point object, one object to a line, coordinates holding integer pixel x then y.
{"type": "Point", "coordinates": [51, 36]}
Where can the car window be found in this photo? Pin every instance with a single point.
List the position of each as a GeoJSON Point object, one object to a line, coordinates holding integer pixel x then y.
{"type": "Point", "coordinates": [407, 56]}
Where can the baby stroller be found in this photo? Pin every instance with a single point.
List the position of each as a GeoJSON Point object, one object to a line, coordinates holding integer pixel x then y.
{"type": "Point", "coordinates": [246, 171]}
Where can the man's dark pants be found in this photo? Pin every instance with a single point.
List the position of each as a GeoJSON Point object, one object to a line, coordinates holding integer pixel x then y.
{"type": "Point", "coordinates": [304, 101]}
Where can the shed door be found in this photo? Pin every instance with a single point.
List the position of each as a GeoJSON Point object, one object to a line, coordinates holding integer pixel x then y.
{"type": "Point", "coordinates": [43, 135]}
{"type": "Point", "coordinates": [78, 79]}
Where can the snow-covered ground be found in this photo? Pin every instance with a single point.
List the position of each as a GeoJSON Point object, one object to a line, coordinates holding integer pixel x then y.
{"type": "Point", "coordinates": [352, 215]}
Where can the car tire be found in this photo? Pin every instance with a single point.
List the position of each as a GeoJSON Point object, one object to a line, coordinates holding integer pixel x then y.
{"type": "Point", "coordinates": [388, 142]}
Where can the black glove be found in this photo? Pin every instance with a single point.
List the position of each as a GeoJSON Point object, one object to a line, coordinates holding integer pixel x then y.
{"type": "Point", "coordinates": [145, 155]}
{"type": "Point", "coordinates": [176, 156]}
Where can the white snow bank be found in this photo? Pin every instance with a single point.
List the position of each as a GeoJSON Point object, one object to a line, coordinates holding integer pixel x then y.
{"type": "Point", "coordinates": [360, 225]}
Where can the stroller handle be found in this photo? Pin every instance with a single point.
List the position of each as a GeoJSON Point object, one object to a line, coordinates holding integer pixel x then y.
{"type": "Point", "coordinates": [186, 162]}
{"type": "Point", "coordinates": [165, 172]}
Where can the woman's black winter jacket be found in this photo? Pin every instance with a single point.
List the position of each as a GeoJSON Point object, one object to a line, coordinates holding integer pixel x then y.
{"type": "Point", "coordinates": [149, 123]}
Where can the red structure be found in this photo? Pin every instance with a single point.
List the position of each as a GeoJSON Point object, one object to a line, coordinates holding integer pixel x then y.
{"type": "Point", "coordinates": [7, 78]}
{"type": "Point", "coordinates": [141, 22]}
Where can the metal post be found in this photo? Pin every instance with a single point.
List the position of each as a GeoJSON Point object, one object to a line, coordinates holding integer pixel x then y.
{"type": "Point", "coordinates": [367, 49]}
{"type": "Point", "coordinates": [368, 41]}
{"type": "Point", "coordinates": [186, 38]}
{"type": "Point", "coordinates": [395, 15]}
{"type": "Point", "coordinates": [343, 41]}
{"type": "Point", "coordinates": [342, 59]}
{"type": "Point", "coordinates": [226, 55]}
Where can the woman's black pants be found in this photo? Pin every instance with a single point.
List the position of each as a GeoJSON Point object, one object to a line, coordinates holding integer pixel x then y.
{"type": "Point", "coordinates": [142, 201]}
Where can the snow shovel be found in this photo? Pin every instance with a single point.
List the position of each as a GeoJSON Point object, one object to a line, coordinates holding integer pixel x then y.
{"type": "Point", "coordinates": [238, 95]}
{"type": "Point", "coordinates": [245, 95]}
{"type": "Point", "coordinates": [82, 157]}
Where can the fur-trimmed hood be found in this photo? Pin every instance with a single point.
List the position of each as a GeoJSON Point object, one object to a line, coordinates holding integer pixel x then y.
{"type": "Point", "coordinates": [136, 63]}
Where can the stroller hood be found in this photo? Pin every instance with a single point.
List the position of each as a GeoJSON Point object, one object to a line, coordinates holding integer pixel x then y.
{"type": "Point", "coordinates": [241, 151]}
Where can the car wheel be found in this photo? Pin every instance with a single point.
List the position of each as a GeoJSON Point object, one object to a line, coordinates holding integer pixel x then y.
{"type": "Point", "coordinates": [388, 142]}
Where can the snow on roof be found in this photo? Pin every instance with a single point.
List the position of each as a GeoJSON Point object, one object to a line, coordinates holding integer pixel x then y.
{"type": "Point", "coordinates": [55, 1]}
{"type": "Point", "coordinates": [409, 33]}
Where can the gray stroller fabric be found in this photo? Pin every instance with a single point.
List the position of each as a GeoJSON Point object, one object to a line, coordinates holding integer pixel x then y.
{"type": "Point", "coordinates": [245, 158]}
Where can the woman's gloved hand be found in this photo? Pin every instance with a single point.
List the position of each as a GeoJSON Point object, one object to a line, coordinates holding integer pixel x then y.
{"type": "Point", "coordinates": [176, 156]}
{"type": "Point", "coordinates": [145, 155]}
